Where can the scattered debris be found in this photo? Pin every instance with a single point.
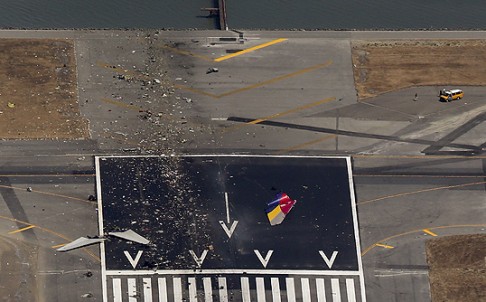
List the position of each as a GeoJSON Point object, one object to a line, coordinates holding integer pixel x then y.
{"type": "Point", "coordinates": [10, 105]}
{"type": "Point", "coordinates": [92, 198]}
{"type": "Point", "coordinates": [213, 69]}
{"type": "Point", "coordinates": [29, 189]}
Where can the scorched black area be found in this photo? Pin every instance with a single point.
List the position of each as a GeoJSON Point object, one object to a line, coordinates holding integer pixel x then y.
{"type": "Point", "coordinates": [187, 206]}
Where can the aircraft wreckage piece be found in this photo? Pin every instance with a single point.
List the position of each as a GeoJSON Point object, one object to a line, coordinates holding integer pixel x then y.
{"type": "Point", "coordinates": [279, 208]}
{"type": "Point", "coordinates": [128, 235]}
{"type": "Point", "coordinates": [80, 242]}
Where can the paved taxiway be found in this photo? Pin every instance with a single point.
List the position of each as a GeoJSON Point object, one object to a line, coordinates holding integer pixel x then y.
{"type": "Point", "coordinates": [404, 198]}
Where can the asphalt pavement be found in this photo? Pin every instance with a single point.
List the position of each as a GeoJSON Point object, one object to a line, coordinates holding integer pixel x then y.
{"type": "Point", "coordinates": [418, 166]}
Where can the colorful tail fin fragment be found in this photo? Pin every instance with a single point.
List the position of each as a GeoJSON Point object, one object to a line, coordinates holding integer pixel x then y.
{"type": "Point", "coordinates": [279, 208]}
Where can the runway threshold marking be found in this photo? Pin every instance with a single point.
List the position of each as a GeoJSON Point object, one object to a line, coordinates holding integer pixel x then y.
{"type": "Point", "coordinates": [244, 51]}
{"type": "Point", "coordinates": [256, 85]}
{"type": "Point", "coordinates": [422, 191]}
{"type": "Point", "coordinates": [283, 113]}
{"type": "Point", "coordinates": [427, 231]}
{"type": "Point", "coordinates": [309, 143]}
{"type": "Point", "coordinates": [22, 229]}
{"type": "Point", "coordinates": [387, 239]}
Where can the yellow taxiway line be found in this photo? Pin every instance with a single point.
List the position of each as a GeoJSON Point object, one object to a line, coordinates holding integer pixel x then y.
{"type": "Point", "coordinates": [427, 231]}
{"type": "Point", "coordinates": [239, 53]}
{"type": "Point", "coordinates": [22, 229]}
{"type": "Point", "coordinates": [309, 143]}
{"type": "Point", "coordinates": [422, 191]}
{"type": "Point", "coordinates": [378, 243]}
{"type": "Point", "coordinates": [280, 114]}
{"type": "Point", "coordinates": [386, 246]}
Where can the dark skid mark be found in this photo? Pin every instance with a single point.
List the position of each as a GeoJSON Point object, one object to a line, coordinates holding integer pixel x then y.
{"type": "Point", "coordinates": [356, 134]}
{"type": "Point", "coordinates": [16, 209]}
{"type": "Point", "coordinates": [456, 133]}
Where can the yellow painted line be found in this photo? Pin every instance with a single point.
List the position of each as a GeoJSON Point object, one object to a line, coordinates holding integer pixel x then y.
{"type": "Point", "coordinates": [22, 229]}
{"type": "Point", "coordinates": [300, 146]}
{"type": "Point", "coordinates": [58, 246]}
{"type": "Point", "coordinates": [256, 85]}
{"type": "Point", "coordinates": [280, 114]}
{"type": "Point", "coordinates": [121, 104]}
{"type": "Point", "coordinates": [378, 156]}
{"type": "Point", "coordinates": [429, 232]}
{"type": "Point", "coordinates": [422, 191]}
{"type": "Point", "coordinates": [196, 91]}
{"type": "Point", "coordinates": [280, 78]}
{"type": "Point", "coordinates": [186, 53]}
{"type": "Point", "coordinates": [418, 175]}
{"type": "Point", "coordinates": [239, 53]}
{"type": "Point", "coordinates": [369, 248]}
{"type": "Point", "coordinates": [46, 193]}
{"type": "Point", "coordinates": [296, 109]}
{"type": "Point", "coordinates": [133, 73]}
{"type": "Point", "coordinates": [47, 175]}
{"type": "Point", "coordinates": [51, 232]}
{"type": "Point", "coordinates": [384, 245]}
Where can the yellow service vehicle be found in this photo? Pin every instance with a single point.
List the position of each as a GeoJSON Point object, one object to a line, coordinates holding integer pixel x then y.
{"type": "Point", "coordinates": [451, 95]}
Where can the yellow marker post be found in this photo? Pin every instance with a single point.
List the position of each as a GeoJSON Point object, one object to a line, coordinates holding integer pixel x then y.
{"type": "Point", "coordinates": [429, 232]}
{"type": "Point", "coordinates": [22, 229]}
{"type": "Point", "coordinates": [239, 53]}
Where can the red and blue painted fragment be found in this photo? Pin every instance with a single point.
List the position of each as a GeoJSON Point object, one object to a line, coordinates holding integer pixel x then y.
{"type": "Point", "coordinates": [279, 208]}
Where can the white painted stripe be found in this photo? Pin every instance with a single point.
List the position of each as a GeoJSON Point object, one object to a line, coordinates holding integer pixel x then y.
{"type": "Point", "coordinates": [306, 294]}
{"type": "Point", "coordinates": [147, 289]}
{"type": "Point", "coordinates": [192, 289]}
{"type": "Point", "coordinates": [321, 290]}
{"type": "Point", "coordinates": [223, 289]}
{"type": "Point", "coordinates": [260, 286]}
{"type": "Point", "coordinates": [219, 118]}
{"type": "Point", "coordinates": [117, 291]}
{"type": "Point", "coordinates": [208, 290]}
{"type": "Point", "coordinates": [162, 283]}
{"type": "Point", "coordinates": [232, 271]}
{"type": "Point", "coordinates": [335, 290]}
{"type": "Point", "coordinates": [356, 229]}
{"type": "Point", "coordinates": [350, 290]}
{"type": "Point", "coordinates": [290, 287]}
{"type": "Point", "coordinates": [132, 289]}
{"type": "Point", "coordinates": [245, 289]}
{"type": "Point", "coordinates": [104, 285]}
{"type": "Point", "coordinates": [177, 289]}
{"type": "Point", "coordinates": [275, 290]}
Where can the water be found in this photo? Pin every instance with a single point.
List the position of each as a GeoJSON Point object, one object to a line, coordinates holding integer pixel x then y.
{"type": "Point", "coordinates": [245, 14]}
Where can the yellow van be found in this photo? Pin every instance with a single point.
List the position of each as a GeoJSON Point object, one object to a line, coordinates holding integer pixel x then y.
{"type": "Point", "coordinates": [451, 95]}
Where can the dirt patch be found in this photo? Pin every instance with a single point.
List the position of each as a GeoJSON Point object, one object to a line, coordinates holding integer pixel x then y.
{"type": "Point", "coordinates": [38, 94]}
{"type": "Point", "coordinates": [385, 66]}
{"type": "Point", "coordinates": [457, 268]}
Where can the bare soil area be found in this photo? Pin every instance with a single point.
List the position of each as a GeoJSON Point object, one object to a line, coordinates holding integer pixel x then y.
{"type": "Point", "coordinates": [457, 268]}
{"type": "Point", "coordinates": [386, 66]}
{"type": "Point", "coordinates": [38, 91]}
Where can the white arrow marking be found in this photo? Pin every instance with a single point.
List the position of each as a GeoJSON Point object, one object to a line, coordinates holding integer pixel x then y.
{"type": "Point", "coordinates": [133, 262]}
{"type": "Point", "coordinates": [227, 207]}
{"type": "Point", "coordinates": [328, 261]}
{"type": "Point", "coordinates": [265, 260]}
{"type": "Point", "coordinates": [229, 231]}
{"type": "Point", "coordinates": [199, 260]}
